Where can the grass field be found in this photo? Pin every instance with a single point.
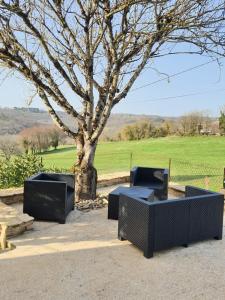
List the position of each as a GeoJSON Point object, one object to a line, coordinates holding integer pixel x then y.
{"type": "Point", "coordinates": [192, 158]}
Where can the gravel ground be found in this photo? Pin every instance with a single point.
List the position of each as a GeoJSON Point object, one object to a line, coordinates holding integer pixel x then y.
{"type": "Point", "coordinates": [84, 260]}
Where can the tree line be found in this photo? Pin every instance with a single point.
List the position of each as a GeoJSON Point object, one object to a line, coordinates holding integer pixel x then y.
{"type": "Point", "coordinates": [191, 124]}
{"type": "Point", "coordinates": [41, 138]}
{"type": "Point", "coordinates": [31, 140]}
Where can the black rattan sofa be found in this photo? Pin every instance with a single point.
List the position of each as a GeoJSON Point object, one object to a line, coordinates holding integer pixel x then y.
{"type": "Point", "coordinates": [49, 196]}
{"type": "Point", "coordinates": [153, 178]}
{"type": "Point", "coordinates": [158, 225]}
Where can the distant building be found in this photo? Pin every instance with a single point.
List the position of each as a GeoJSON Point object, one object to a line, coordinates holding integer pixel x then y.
{"type": "Point", "coordinates": [206, 132]}
{"type": "Point", "coordinates": [29, 109]}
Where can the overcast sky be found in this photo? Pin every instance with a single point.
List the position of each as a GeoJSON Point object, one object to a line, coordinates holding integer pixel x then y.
{"type": "Point", "coordinates": [206, 85]}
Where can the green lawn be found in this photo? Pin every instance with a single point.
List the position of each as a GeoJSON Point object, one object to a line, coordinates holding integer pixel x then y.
{"type": "Point", "coordinates": [193, 158]}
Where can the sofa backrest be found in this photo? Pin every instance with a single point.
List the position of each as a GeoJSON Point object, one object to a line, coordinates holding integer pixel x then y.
{"type": "Point", "coordinates": [38, 176]}
{"type": "Point", "coordinates": [202, 212]}
{"type": "Point", "coordinates": [191, 191]}
{"type": "Point", "coordinates": [150, 174]}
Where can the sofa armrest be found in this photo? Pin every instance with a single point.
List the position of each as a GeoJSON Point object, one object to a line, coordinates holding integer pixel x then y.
{"type": "Point", "coordinates": [70, 201]}
{"type": "Point", "coordinates": [206, 216]}
{"type": "Point", "coordinates": [133, 176]}
{"type": "Point", "coordinates": [165, 178]}
{"type": "Point", "coordinates": [166, 174]}
{"type": "Point", "coordinates": [36, 176]}
{"type": "Point", "coordinates": [69, 179]}
{"type": "Point", "coordinates": [136, 223]}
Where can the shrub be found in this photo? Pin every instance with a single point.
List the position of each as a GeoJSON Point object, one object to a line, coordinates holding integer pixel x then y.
{"type": "Point", "coordinates": [13, 172]}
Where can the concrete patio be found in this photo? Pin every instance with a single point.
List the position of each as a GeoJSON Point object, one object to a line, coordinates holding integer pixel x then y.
{"type": "Point", "coordinates": [84, 260]}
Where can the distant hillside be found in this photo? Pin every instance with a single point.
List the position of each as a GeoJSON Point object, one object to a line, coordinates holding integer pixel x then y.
{"type": "Point", "coordinates": [13, 120]}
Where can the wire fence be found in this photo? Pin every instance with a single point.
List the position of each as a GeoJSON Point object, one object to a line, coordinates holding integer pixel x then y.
{"type": "Point", "coordinates": [201, 175]}
{"type": "Point", "coordinates": [182, 172]}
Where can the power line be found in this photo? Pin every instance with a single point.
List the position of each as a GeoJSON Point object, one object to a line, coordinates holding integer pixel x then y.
{"type": "Point", "coordinates": [175, 74]}
{"type": "Point", "coordinates": [182, 96]}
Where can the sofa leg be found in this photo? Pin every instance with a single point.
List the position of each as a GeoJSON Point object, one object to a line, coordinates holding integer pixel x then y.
{"type": "Point", "coordinates": [185, 245]}
{"type": "Point", "coordinates": [62, 221]}
{"type": "Point", "coordinates": [218, 237]}
{"type": "Point", "coordinates": [121, 238]}
{"type": "Point", "coordinates": [148, 254]}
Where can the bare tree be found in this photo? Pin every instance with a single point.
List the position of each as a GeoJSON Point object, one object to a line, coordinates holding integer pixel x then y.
{"type": "Point", "coordinates": [97, 50]}
{"type": "Point", "coordinates": [191, 123]}
{"type": "Point", "coordinates": [40, 138]}
{"type": "Point", "coordinates": [9, 146]}
{"type": "Point", "coordinates": [28, 140]}
{"type": "Point", "coordinates": [196, 122]}
{"type": "Point", "coordinates": [56, 136]}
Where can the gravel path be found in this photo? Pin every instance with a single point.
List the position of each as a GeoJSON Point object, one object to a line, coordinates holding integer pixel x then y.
{"type": "Point", "coordinates": [84, 260]}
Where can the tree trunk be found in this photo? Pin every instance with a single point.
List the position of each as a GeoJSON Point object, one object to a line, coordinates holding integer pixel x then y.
{"type": "Point", "coordinates": [85, 172]}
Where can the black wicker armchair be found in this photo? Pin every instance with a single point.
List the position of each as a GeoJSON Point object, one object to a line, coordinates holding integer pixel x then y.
{"type": "Point", "coordinates": [49, 196]}
{"type": "Point", "coordinates": [156, 179]}
{"type": "Point", "coordinates": [153, 226]}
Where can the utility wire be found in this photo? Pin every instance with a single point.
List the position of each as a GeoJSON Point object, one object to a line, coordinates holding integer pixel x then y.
{"type": "Point", "coordinates": [175, 74]}
{"type": "Point", "coordinates": [182, 96]}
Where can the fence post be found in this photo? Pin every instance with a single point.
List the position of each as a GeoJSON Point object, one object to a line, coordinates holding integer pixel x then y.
{"type": "Point", "coordinates": [170, 162]}
{"type": "Point", "coordinates": [206, 182]}
{"type": "Point", "coordinates": [131, 160]}
{"type": "Point", "coordinates": [224, 178]}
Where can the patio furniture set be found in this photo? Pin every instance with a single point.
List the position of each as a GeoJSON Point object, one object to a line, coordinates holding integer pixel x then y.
{"type": "Point", "coordinates": [146, 217]}
{"type": "Point", "coordinates": [152, 222]}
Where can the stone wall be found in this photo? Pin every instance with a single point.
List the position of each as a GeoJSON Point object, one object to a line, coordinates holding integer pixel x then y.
{"type": "Point", "coordinates": [11, 196]}
{"type": "Point", "coordinates": [17, 221]}
{"type": "Point", "coordinates": [113, 179]}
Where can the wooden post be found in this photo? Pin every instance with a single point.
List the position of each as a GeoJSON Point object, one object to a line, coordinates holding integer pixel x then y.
{"type": "Point", "coordinates": [131, 160]}
{"type": "Point", "coordinates": [3, 242]}
{"type": "Point", "coordinates": [206, 182]}
{"type": "Point", "coordinates": [224, 178]}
